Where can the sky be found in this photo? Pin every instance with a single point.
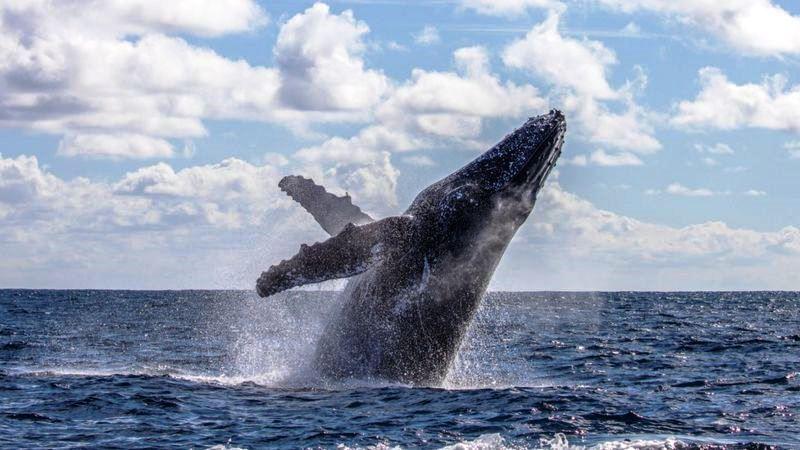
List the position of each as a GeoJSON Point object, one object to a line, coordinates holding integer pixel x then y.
{"type": "Point", "coordinates": [142, 141]}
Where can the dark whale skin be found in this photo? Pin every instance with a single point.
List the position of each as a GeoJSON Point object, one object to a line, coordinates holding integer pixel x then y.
{"type": "Point", "coordinates": [403, 319]}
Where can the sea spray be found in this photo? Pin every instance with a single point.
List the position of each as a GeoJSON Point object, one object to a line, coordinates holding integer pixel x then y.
{"type": "Point", "coordinates": [273, 341]}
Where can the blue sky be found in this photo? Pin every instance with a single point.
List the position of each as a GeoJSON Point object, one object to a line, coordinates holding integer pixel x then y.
{"type": "Point", "coordinates": [141, 144]}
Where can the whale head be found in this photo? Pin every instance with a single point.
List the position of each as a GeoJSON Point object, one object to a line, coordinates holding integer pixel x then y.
{"type": "Point", "coordinates": [499, 186]}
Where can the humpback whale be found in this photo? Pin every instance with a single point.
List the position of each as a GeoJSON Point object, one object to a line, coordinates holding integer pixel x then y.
{"type": "Point", "coordinates": [417, 279]}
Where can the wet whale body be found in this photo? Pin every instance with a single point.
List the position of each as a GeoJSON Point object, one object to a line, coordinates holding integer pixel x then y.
{"type": "Point", "coordinates": [416, 280]}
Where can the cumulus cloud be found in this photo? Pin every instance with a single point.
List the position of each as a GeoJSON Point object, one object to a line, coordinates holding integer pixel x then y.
{"type": "Point", "coordinates": [135, 17]}
{"type": "Point", "coordinates": [579, 69]}
{"type": "Point", "coordinates": [319, 56]}
{"type": "Point", "coordinates": [753, 27]}
{"type": "Point", "coordinates": [153, 227]}
{"type": "Point", "coordinates": [431, 109]}
{"type": "Point", "coordinates": [131, 88]}
{"type": "Point", "coordinates": [726, 105]}
{"type": "Point", "coordinates": [428, 35]}
{"type": "Point", "coordinates": [162, 227]}
{"type": "Point", "coordinates": [356, 165]}
{"type": "Point", "coordinates": [115, 146]}
{"type": "Point", "coordinates": [601, 158]}
{"type": "Point", "coordinates": [563, 61]}
{"type": "Point", "coordinates": [453, 104]}
{"type": "Point", "coordinates": [199, 213]}
{"type": "Point", "coordinates": [509, 8]}
{"type": "Point", "coordinates": [230, 194]}
{"type": "Point", "coordinates": [111, 72]}
{"type": "Point", "coordinates": [569, 243]}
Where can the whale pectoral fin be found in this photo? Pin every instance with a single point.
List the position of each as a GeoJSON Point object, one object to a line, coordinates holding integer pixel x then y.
{"type": "Point", "coordinates": [333, 213]}
{"type": "Point", "coordinates": [348, 253]}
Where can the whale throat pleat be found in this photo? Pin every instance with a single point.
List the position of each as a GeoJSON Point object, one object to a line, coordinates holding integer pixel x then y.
{"type": "Point", "coordinates": [332, 212]}
{"type": "Point", "coordinates": [349, 253]}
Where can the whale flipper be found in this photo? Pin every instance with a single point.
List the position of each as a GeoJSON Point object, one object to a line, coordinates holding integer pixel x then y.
{"type": "Point", "coordinates": [333, 213]}
{"type": "Point", "coordinates": [349, 253]}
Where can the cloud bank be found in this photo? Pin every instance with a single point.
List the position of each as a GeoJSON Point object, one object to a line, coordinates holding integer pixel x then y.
{"type": "Point", "coordinates": [128, 80]}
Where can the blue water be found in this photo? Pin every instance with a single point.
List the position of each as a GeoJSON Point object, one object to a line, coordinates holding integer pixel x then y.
{"type": "Point", "coordinates": [121, 369]}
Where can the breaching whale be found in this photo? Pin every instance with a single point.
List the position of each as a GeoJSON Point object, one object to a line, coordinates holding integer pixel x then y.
{"type": "Point", "coordinates": [417, 279]}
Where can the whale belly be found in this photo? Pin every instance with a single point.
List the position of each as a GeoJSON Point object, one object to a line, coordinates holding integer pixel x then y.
{"type": "Point", "coordinates": [403, 331]}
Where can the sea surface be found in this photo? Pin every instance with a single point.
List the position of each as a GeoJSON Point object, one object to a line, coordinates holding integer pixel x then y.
{"type": "Point", "coordinates": [226, 370]}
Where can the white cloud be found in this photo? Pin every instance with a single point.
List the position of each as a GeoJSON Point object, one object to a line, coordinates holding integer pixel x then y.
{"type": "Point", "coordinates": [428, 35]}
{"type": "Point", "coordinates": [109, 72]}
{"type": "Point", "coordinates": [135, 17]}
{"type": "Point", "coordinates": [725, 105]}
{"type": "Point", "coordinates": [576, 246]}
{"type": "Point", "coordinates": [161, 224]}
{"type": "Point", "coordinates": [577, 160]}
{"type": "Point", "coordinates": [509, 8]}
{"type": "Point", "coordinates": [430, 110]}
{"type": "Point", "coordinates": [230, 194]}
{"type": "Point", "coordinates": [115, 146]}
{"type": "Point", "coordinates": [793, 147]}
{"type": "Point", "coordinates": [563, 61]}
{"type": "Point", "coordinates": [716, 149]}
{"type": "Point", "coordinates": [394, 45]}
{"type": "Point", "coordinates": [710, 162]}
{"type": "Point", "coordinates": [631, 29]}
{"type": "Point", "coordinates": [753, 27]}
{"type": "Point", "coordinates": [679, 189]}
{"type": "Point", "coordinates": [452, 104]}
{"type": "Point", "coordinates": [579, 71]}
{"type": "Point", "coordinates": [603, 159]}
{"type": "Point", "coordinates": [208, 225]}
{"type": "Point", "coordinates": [629, 130]}
{"type": "Point", "coordinates": [359, 149]}
{"type": "Point", "coordinates": [360, 164]}
{"type": "Point", "coordinates": [420, 161]}
{"type": "Point", "coordinates": [156, 86]}
{"type": "Point", "coordinates": [215, 225]}
{"type": "Point", "coordinates": [319, 56]}
{"type": "Point", "coordinates": [275, 159]}
{"type": "Point", "coordinates": [755, 193]}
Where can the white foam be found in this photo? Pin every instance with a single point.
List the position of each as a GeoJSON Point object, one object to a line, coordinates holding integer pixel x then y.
{"type": "Point", "coordinates": [558, 442]}
{"type": "Point", "coordinates": [276, 379]}
{"type": "Point", "coordinates": [227, 446]}
{"type": "Point", "coordinates": [370, 447]}
{"type": "Point", "coordinates": [484, 442]}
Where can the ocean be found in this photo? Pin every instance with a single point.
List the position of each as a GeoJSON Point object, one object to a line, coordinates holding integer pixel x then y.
{"type": "Point", "coordinates": [227, 370]}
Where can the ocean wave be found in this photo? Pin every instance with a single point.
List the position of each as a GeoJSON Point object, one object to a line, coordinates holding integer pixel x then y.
{"type": "Point", "coordinates": [278, 379]}
{"type": "Point", "coordinates": [559, 441]}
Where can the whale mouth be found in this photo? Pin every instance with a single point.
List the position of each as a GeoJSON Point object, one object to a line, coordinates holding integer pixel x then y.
{"type": "Point", "coordinates": [514, 168]}
{"type": "Point", "coordinates": [546, 139]}
{"type": "Point", "coordinates": [524, 156]}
